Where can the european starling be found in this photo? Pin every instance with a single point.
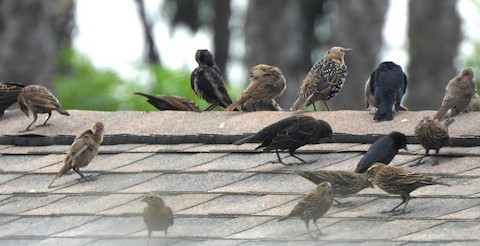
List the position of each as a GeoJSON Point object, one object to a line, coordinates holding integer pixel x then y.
{"type": "Point", "coordinates": [37, 99]}
{"type": "Point", "coordinates": [271, 105]}
{"type": "Point", "coordinates": [398, 181]}
{"type": "Point", "coordinates": [171, 102]}
{"type": "Point", "coordinates": [156, 215]}
{"type": "Point", "coordinates": [82, 151]}
{"type": "Point", "coordinates": [290, 133]}
{"type": "Point", "coordinates": [458, 94]}
{"type": "Point", "coordinates": [324, 80]}
{"type": "Point", "coordinates": [383, 150]}
{"type": "Point", "coordinates": [386, 87]}
{"type": "Point", "coordinates": [266, 83]}
{"type": "Point", "coordinates": [344, 183]}
{"type": "Point", "coordinates": [8, 95]}
{"type": "Point", "coordinates": [474, 104]}
{"type": "Point", "coordinates": [432, 134]}
{"type": "Point", "coordinates": [207, 81]}
{"type": "Point", "coordinates": [313, 206]}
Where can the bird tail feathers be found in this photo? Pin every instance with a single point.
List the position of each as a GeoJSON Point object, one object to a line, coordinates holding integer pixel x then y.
{"type": "Point", "coordinates": [442, 111]}
{"type": "Point", "coordinates": [299, 101]}
{"type": "Point", "coordinates": [384, 110]}
{"type": "Point", "coordinates": [63, 111]}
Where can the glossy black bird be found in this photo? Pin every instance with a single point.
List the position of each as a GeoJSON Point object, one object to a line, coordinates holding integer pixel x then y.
{"type": "Point", "coordinates": [290, 134]}
{"type": "Point", "coordinates": [207, 81]}
{"type": "Point", "coordinates": [170, 102]}
{"type": "Point", "coordinates": [8, 94]}
{"type": "Point", "coordinates": [271, 105]}
{"type": "Point", "coordinates": [383, 150]}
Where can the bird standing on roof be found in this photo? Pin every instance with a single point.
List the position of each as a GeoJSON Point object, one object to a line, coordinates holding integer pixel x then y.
{"type": "Point", "coordinates": [171, 102]}
{"type": "Point", "coordinates": [8, 94]}
{"type": "Point", "coordinates": [156, 215]}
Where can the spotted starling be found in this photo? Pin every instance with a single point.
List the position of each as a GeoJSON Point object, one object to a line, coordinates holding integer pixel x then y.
{"type": "Point", "coordinates": [271, 105]}
{"type": "Point", "coordinates": [458, 94]}
{"type": "Point", "coordinates": [171, 102]}
{"type": "Point", "coordinates": [290, 133]}
{"type": "Point", "coordinates": [324, 80]}
{"type": "Point", "coordinates": [8, 94]}
{"type": "Point", "coordinates": [36, 99]}
{"type": "Point", "coordinates": [398, 181]}
{"type": "Point", "coordinates": [266, 83]}
{"type": "Point", "coordinates": [82, 151]}
{"type": "Point", "coordinates": [156, 215]}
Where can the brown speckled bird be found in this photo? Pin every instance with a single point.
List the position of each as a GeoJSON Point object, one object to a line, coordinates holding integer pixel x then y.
{"type": "Point", "coordinates": [458, 93]}
{"type": "Point", "coordinates": [36, 99]}
{"type": "Point", "coordinates": [271, 105]}
{"type": "Point", "coordinates": [313, 206]}
{"type": "Point", "coordinates": [8, 94]}
{"type": "Point", "coordinates": [324, 80]}
{"type": "Point", "coordinates": [171, 102]}
{"type": "Point", "coordinates": [398, 181]}
{"type": "Point", "coordinates": [82, 151]}
{"type": "Point", "coordinates": [156, 215]}
{"type": "Point", "coordinates": [266, 83]}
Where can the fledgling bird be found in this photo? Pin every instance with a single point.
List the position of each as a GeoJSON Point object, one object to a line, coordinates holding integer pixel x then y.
{"type": "Point", "coordinates": [82, 151]}
{"type": "Point", "coordinates": [344, 183]}
{"type": "Point", "coordinates": [313, 206]}
{"type": "Point", "coordinates": [324, 80]}
{"type": "Point", "coordinates": [290, 134]}
{"type": "Point", "coordinates": [156, 215]}
{"type": "Point", "coordinates": [398, 181]}
{"type": "Point", "coordinates": [171, 102]}
{"type": "Point", "coordinates": [8, 95]}
{"type": "Point", "coordinates": [36, 99]}
{"type": "Point", "coordinates": [383, 150]}
{"type": "Point", "coordinates": [458, 93]}
{"type": "Point", "coordinates": [432, 134]}
{"type": "Point", "coordinates": [271, 105]}
{"type": "Point", "coordinates": [207, 81]}
{"type": "Point", "coordinates": [266, 83]}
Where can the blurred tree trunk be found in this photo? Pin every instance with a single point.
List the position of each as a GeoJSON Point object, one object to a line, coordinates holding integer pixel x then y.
{"type": "Point", "coordinates": [151, 47]}
{"type": "Point", "coordinates": [221, 33]}
{"type": "Point", "coordinates": [434, 33]}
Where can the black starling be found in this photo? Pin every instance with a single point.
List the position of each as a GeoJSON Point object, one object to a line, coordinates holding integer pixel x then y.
{"type": "Point", "coordinates": [8, 95]}
{"type": "Point", "coordinates": [383, 150]}
{"type": "Point", "coordinates": [324, 80]}
{"type": "Point", "coordinates": [171, 102]}
{"type": "Point", "coordinates": [290, 133]}
{"type": "Point", "coordinates": [156, 215]}
{"type": "Point", "coordinates": [271, 105]}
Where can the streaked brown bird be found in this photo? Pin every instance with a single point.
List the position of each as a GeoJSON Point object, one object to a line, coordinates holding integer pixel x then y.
{"type": "Point", "coordinates": [271, 105]}
{"type": "Point", "coordinates": [156, 215]}
{"type": "Point", "coordinates": [344, 183]}
{"type": "Point", "coordinates": [36, 99]}
{"type": "Point", "coordinates": [82, 151]}
{"type": "Point", "coordinates": [324, 80]}
{"type": "Point", "coordinates": [170, 102]}
{"type": "Point", "coordinates": [458, 93]}
{"type": "Point", "coordinates": [313, 206]}
{"type": "Point", "coordinates": [398, 181]}
{"type": "Point", "coordinates": [8, 95]}
{"type": "Point", "coordinates": [266, 83]}
{"type": "Point", "coordinates": [432, 134]}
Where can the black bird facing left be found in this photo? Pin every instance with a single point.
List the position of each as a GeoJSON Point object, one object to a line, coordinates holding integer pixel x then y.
{"type": "Point", "coordinates": [8, 95]}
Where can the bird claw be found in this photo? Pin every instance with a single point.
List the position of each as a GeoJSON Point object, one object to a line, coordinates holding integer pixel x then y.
{"type": "Point", "coordinates": [86, 178]}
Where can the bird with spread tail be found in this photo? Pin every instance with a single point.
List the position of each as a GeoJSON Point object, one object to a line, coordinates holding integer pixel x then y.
{"type": "Point", "coordinates": [170, 102]}
{"type": "Point", "coordinates": [324, 80]}
{"type": "Point", "coordinates": [432, 134]}
{"type": "Point", "coordinates": [156, 215]}
{"type": "Point", "coordinates": [9, 92]}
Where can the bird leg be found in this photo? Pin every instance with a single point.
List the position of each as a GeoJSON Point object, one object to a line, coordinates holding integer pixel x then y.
{"type": "Point", "coordinates": [83, 177]}
{"type": "Point", "coordinates": [34, 119]}
{"type": "Point", "coordinates": [307, 224]}
{"type": "Point", "coordinates": [211, 107]}
{"type": "Point", "coordinates": [149, 236]}
{"type": "Point", "coordinates": [314, 107]}
{"type": "Point", "coordinates": [48, 117]}
{"type": "Point", "coordinates": [421, 161]}
{"type": "Point", "coordinates": [319, 231]}
{"type": "Point", "coordinates": [300, 159]}
{"type": "Point", "coordinates": [405, 200]}
{"type": "Point", "coordinates": [325, 102]}
{"type": "Point", "coordinates": [436, 157]}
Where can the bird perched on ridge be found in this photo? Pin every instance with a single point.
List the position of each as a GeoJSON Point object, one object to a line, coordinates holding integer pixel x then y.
{"type": "Point", "coordinates": [170, 102]}
{"type": "Point", "coordinates": [290, 134]}
{"type": "Point", "coordinates": [156, 215]}
{"type": "Point", "coordinates": [324, 80]}
{"type": "Point", "coordinates": [313, 206]}
{"type": "Point", "coordinates": [82, 151]}
{"type": "Point", "coordinates": [271, 105]}
{"type": "Point", "coordinates": [266, 83]}
{"type": "Point", "coordinates": [398, 181]}
{"type": "Point", "coordinates": [344, 183]}
{"type": "Point", "coordinates": [383, 150]}
{"type": "Point", "coordinates": [385, 88]}
{"type": "Point", "coordinates": [36, 99]}
{"type": "Point", "coordinates": [207, 81]}
{"type": "Point", "coordinates": [432, 134]}
{"type": "Point", "coordinates": [458, 93]}
{"type": "Point", "coordinates": [8, 95]}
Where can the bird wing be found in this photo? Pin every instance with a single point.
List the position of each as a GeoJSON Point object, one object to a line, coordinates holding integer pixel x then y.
{"type": "Point", "coordinates": [40, 97]}
{"type": "Point", "coordinates": [270, 132]}
{"type": "Point", "coordinates": [397, 176]}
{"type": "Point", "coordinates": [379, 151]}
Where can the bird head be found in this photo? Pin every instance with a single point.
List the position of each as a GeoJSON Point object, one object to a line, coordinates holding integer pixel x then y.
{"type": "Point", "coordinates": [399, 140]}
{"type": "Point", "coordinates": [337, 52]}
{"type": "Point", "coordinates": [153, 198]}
{"type": "Point", "coordinates": [97, 128]}
{"type": "Point", "coordinates": [204, 57]}
{"type": "Point", "coordinates": [468, 72]}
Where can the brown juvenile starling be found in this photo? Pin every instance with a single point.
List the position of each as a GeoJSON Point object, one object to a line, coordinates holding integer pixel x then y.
{"type": "Point", "coordinates": [398, 181]}
{"type": "Point", "coordinates": [266, 83]}
{"type": "Point", "coordinates": [271, 105]}
{"type": "Point", "coordinates": [8, 95]}
{"type": "Point", "coordinates": [344, 183]}
{"type": "Point", "coordinates": [82, 151]}
{"type": "Point", "coordinates": [458, 93]}
{"type": "Point", "coordinates": [324, 80]}
{"type": "Point", "coordinates": [313, 206]}
{"type": "Point", "coordinates": [207, 81]}
{"type": "Point", "coordinates": [36, 99]}
{"type": "Point", "coordinates": [171, 102]}
{"type": "Point", "coordinates": [432, 134]}
{"type": "Point", "coordinates": [290, 134]}
{"type": "Point", "coordinates": [156, 215]}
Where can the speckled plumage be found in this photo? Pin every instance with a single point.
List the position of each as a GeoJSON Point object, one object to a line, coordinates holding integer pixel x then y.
{"type": "Point", "coordinates": [432, 134]}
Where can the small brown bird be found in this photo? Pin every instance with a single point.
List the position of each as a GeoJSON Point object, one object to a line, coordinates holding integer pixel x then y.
{"type": "Point", "coordinates": [324, 80]}
{"type": "Point", "coordinates": [344, 183]}
{"type": "Point", "coordinates": [82, 151]}
{"type": "Point", "coordinates": [8, 95]}
{"type": "Point", "coordinates": [458, 93]}
{"type": "Point", "coordinates": [271, 105]}
{"type": "Point", "coordinates": [432, 134]}
{"type": "Point", "coordinates": [313, 206]}
{"type": "Point", "coordinates": [36, 99]}
{"type": "Point", "coordinates": [474, 104]}
{"type": "Point", "coordinates": [170, 102]}
{"type": "Point", "coordinates": [266, 83]}
{"type": "Point", "coordinates": [156, 215]}
{"type": "Point", "coordinates": [398, 181]}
